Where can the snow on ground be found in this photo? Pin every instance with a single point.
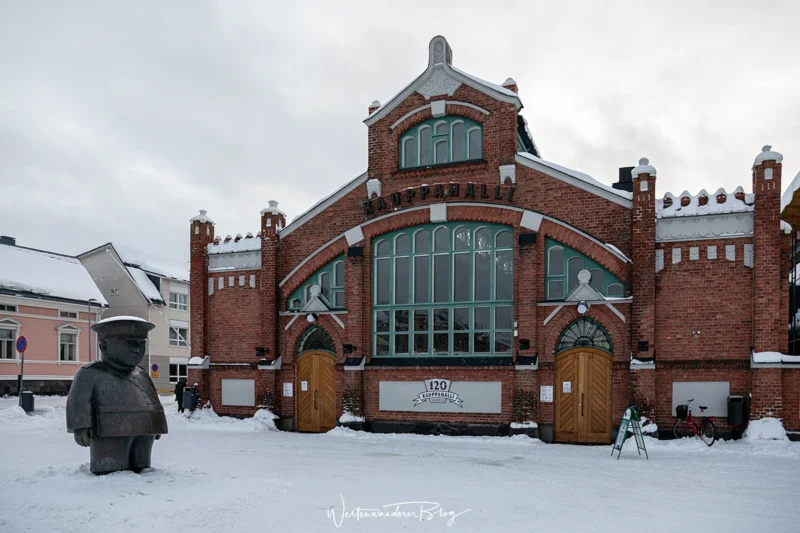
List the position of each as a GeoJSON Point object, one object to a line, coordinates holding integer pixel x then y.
{"type": "Point", "coordinates": [765, 429]}
{"type": "Point", "coordinates": [216, 474]}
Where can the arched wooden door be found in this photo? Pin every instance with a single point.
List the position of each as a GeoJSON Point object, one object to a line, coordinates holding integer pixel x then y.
{"type": "Point", "coordinates": [583, 396]}
{"type": "Point", "coordinates": [316, 392]}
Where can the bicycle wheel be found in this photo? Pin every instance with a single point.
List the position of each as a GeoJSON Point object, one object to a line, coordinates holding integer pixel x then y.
{"type": "Point", "coordinates": [679, 429]}
{"type": "Point", "coordinates": [709, 432]}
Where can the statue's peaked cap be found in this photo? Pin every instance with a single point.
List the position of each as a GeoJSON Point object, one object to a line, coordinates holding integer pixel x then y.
{"type": "Point", "coordinates": [136, 329]}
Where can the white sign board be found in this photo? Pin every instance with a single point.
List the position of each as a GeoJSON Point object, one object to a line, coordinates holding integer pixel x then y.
{"type": "Point", "coordinates": [287, 389]}
{"type": "Point", "coordinates": [439, 395]}
{"type": "Point", "coordinates": [566, 386]}
{"type": "Point", "coordinates": [304, 385]}
{"type": "Point", "coordinates": [546, 394]}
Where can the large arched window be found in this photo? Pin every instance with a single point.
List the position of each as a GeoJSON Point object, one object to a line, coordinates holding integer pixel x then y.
{"type": "Point", "coordinates": [584, 332]}
{"type": "Point", "coordinates": [330, 279]}
{"type": "Point", "coordinates": [315, 338]}
{"type": "Point", "coordinates": [443, 289]}
{"type": "Point", "coordinates": [563, 265]}
{"type": "Point", "coordinates": [441, 140]}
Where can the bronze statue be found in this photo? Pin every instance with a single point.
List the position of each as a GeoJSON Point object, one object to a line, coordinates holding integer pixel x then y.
{"type": "Point", "coordinates": [112, 406]}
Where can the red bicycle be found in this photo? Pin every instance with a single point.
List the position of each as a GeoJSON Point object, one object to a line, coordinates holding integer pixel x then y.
{"type": "Point", "coordinates": [689, 426]}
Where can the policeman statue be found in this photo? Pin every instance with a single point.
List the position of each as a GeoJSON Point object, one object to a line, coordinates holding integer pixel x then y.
{"type": "Point", "coordinates": [112, 406]}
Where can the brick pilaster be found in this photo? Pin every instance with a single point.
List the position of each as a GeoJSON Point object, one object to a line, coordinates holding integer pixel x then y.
{"type": "Point", "coordinates": [201, 234]}
{"type": "Point", "coordinates": [272, 221]}
{"type": "Point", "coordinates": [769, 324]}
{"type": "Point", "coordinates": [643, 229]}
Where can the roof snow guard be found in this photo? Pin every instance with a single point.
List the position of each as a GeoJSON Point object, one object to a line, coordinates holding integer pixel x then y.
{"type": "Point", "coordinates": [442, 78]}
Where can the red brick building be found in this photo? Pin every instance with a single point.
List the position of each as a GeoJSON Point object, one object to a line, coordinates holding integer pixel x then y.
{"type": "Point", "coordinates": [463, 283]}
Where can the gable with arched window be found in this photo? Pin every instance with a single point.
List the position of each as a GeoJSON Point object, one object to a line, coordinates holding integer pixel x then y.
{"type": "Point", "coordinates": [444, 289]}
{"type": "Point", "coordinates": [330, 279]}
{"type": "Point", "coordinates": [441, 140]}
{"type": "Point", "coordinates": [562, 266]}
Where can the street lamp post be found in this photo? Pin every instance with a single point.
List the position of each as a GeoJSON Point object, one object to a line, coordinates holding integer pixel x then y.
{"type": "Point", "coordinates": [89, 316]}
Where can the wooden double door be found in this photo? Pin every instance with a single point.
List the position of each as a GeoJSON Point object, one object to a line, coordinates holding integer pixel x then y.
{"type": "Point", "coordinates": [316, 392]}
{"type": "Point", "coordinates": [583, 396]}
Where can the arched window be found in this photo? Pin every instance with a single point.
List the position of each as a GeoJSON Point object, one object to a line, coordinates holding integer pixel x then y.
{"type": "Point", "coordinates": [440, 141]}
{"type": "Point", "coordinates": [563, 266]}
{"type": "Point", "coordinates": [451, 295]}
{"type": "Point", "coordinates": [315, 338]}
{"type": "Point", "coordinates": [330, 278]}
{"type": "Point", "coordinates": [584, 332]}
{"type": "Point", "coordinates": [409, 152]}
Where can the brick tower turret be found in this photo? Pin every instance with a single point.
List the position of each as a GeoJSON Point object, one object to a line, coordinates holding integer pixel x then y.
{"type": "Point", "coordinates": [273, 221]}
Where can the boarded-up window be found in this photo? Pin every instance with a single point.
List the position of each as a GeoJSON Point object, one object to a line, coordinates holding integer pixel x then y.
{"type": "Point", "coordinates": [240, 392]}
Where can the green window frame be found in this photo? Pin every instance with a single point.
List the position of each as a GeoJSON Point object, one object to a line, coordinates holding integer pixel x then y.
{"type": "Point", "coordinates": [443, 290]}
{"type": "Point", "coordinates": [438, 141]}
{"type": "Point", "coordinates": [561, 277]}
{"type": "Point", "coordinates": [330, 278]}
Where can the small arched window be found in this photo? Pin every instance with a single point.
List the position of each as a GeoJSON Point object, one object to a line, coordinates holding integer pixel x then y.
{"type": "Point", "coordinates": [325, 286]}
{"type": "Point", "coordinates": [401, 244]}
{"type": "Point", "coordinates": [584, 332]}
{"type": "Point", "coordinates": [422, 241]}
{"type": "Point", "coordinates": [615, 290]}
{"type": "Point", "coordinates": [295, 304]}
{"type": "Point", "coordinates": [440, 141]}
{"type": "Point", "coordinates": [315, 338]}
{"type": "Point", "coordinates": [382, 248]}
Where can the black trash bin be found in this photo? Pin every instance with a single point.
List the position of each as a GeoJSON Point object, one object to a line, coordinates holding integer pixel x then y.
{"type": "Point", "coordinates": [736, 411]}
{"type": "Point", "coordinates": [27, 401]}
{"type": "Point", "coordinates": [190, 398]}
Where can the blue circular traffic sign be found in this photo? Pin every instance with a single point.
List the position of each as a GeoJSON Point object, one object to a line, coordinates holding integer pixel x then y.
{"type": "Point", "coordinates": [22, 344]}
{"type": "Point", "coordinates": [155, 368]}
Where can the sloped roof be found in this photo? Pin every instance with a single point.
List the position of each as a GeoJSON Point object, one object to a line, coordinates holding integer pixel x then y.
{"type": "Point", "coordinates": [46, 274]}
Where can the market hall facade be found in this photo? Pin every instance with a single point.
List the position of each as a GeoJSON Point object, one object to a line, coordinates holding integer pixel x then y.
{"type": "Point", "coordinates": [463, 283]}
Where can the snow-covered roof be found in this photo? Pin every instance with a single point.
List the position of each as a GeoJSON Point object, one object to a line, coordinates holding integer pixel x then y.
{"type": "Point", "coordinates": [46, 274]}
{"type": "Point", "coordinates": [153, 264]}
{"type": "Point", "coordinates": [489, 85]}
{"type": "Point", "coordinates": [585, 181]}
{"type": "Point", "coordinates": [249, 244]}
{"type": "Point", "coordinates": [145, 285]}
{"type": "Point", "coordinates": [447, 79]}
{"type": "Point", "coordinates": [670, 206]}
{"type": "Point", "coordinates": [775, 357]}
{"type": "Point", "coordinates": [788, 194]}
{"type": "Point", "coordinates": [767, 155]}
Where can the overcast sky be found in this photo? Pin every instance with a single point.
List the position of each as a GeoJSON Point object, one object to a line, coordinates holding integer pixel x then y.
{"type": "Point", "coordinates": [119, 120]}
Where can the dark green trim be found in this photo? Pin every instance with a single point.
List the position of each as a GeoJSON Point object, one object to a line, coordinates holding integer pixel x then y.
{"type": "Point", "coordinates": [393, 313]}
{"type": "Point", "coordinates": [412, 139]}
{"type": "Point", "coordinates": [316, 279]}
{"type": "Point", "coordinates": [588, 264]}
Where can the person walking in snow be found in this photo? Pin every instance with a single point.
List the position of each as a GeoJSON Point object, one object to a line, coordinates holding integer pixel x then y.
{"type": "Point", "coordinates": [179, 393]}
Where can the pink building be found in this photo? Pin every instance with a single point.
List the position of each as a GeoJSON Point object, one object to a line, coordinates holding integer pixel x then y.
{"type": "Point", "coordinates": [50, 299]}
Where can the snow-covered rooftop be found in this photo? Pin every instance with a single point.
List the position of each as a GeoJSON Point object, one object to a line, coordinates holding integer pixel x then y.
{"type": "Point", "coordinates": [247, 244]}
{"type": "Point", "coordinates": [788, 194]}
{"type": "Point", "coordinates": [145, 285]}
{"type": "Point", "coordinates": [644, 167]}
{"type": "Point", "coordinates": [703, 203]}
{"type": "Point", "coordinates": [202, 217]}
{"type": "Point", "coordinates": [578, 175]}
{"type": "Point", "coordinates": [46, 274]}
{"type": "Point", "coordinates": [153, 264]}
{"type": "Point", "coordinates": [273, 209]}
{"type": "Point", "coordinates": [493, 86]}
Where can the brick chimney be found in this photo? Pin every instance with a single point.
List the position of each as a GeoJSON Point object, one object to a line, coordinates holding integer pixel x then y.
{"type": "Point", "coordinates": [272, 221]}
{"type": "Point", "coordinates": [511, 85]}
{"type": "Point", "coordinates": [374, 106]}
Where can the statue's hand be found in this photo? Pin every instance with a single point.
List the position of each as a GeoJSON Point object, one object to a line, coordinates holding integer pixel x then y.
{"type": "Point", "coordinates": [158, 437]}
{"type": "Point", "coordinates": [82, 437]}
